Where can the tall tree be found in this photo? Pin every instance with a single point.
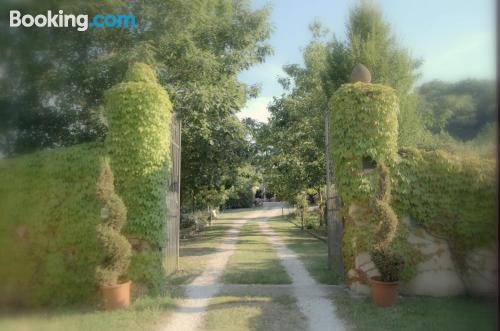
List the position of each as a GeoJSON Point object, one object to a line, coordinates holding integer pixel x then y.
{"type": "Point", "coordinates": [461, 109]}
{"type": "Point", "coordinates": [371, 42]}
{"type": "Point", "coordinates": [52, 79]}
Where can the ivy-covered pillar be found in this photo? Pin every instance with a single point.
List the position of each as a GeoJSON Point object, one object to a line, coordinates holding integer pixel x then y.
{"type": "Point", "coordinates": [138, 112]}
{"type": "Point", "coordinates": [363, 134]}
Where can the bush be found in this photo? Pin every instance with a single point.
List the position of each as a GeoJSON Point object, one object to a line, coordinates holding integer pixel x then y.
{"type": "Point", "coordinates": [138, 112]}
{"type": "Point", "coordinates": [49, 211]}
{"type": "Point", "coordinates": [116, 246]}
{"type": "Point", "coordinates": [389, 263]}
{"type": "Point", "coordinates": [364, 134]}
{"type": "Point", "coordinates": [240, 199]}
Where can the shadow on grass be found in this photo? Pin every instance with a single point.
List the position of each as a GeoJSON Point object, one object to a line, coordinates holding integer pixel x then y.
{"type": "Point", "coordinates": [254, 313]}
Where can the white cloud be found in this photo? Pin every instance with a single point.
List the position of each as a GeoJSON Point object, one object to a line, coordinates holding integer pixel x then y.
{"type": "Point", "coordinates": [256, 109]}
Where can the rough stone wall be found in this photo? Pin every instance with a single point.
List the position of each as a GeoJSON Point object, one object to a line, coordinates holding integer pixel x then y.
{"type": "Point", "coordinates": [438, 274]}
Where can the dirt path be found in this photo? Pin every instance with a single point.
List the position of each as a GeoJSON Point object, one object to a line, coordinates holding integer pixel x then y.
{"type": "Point", "coordinates": [311, 296]}
{"type": "Point", "coordinates": [189, 316]}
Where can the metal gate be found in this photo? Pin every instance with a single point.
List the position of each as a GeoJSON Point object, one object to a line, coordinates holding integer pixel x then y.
{"type": "Point", "coordinates": [171, 258]}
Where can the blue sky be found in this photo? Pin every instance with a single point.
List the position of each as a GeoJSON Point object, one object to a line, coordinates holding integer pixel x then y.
{"type": "Point", "coordinates": [454, 38]}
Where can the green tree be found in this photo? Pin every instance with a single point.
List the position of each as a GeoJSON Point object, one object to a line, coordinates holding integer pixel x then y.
{"type": "Point", "coordinates": [460, 109]}
{"type": "Point", "coordinates": [371, 42]}
{"type": "Point", "coordinates": [53, 80]}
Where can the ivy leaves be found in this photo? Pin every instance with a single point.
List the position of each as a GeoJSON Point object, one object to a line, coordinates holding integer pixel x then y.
{"type": "Point", "coordinates": [363, 122]}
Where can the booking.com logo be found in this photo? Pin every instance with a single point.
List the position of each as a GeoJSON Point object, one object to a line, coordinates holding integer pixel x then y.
{"type": "Point", "coordinates": [81, 22]}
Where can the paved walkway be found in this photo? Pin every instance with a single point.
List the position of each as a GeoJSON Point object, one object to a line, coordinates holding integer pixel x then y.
{"type": "Point", "coordinates": [312, 298]}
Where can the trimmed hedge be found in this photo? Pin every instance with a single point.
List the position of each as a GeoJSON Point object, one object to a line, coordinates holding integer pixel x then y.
{"type": "Point", "coordinates": [49, 206]}
{"type": "Point", "coordinates": [138, 112]}
{"type": "Point", "coordinates": [49, 210]}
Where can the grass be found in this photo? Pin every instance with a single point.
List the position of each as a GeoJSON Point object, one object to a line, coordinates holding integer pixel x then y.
{"type": "Point", "coordinates": [226, 312]}
{"type": "Point", "coordinates": [255, 260]}
{"type": "Point", "coordinates": [311, 251]}
{"type": "Point", "coordinates": [143, 314]}
{"type": "Point", "coordinates": [192, 252]}
{"type": "Point", "coordinates": [311, 222]}
{"type": "Point", "coordinates": [419, 314]}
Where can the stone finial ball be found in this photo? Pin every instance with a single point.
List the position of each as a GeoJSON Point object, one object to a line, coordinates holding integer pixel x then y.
{"type": "Point", "coordinates": [360, 74]}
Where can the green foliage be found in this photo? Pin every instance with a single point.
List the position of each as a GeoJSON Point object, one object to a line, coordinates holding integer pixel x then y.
{"type": "Point", "coordinates": [197, 47]}
{"type": "Point", "coordinates": [242, 192]}
{"type": "Point", "coordinates": [293, 141]}
{"type": "Point", "coordinates": [461, 109]}
{"type": "Point", "coordinates": [140, 72]}
{"type": "Point", "coordinates": [49, 211]}
{"type": "Point", "coordinates": [360, 236]}
{"type": "Point", "coordinates": [389, 263]}
{"type": "Point", "coordinates": [138, 141]}
{"type": "Point", "coordinates": [452, 196]}
{"type": "Point", "coordinates": [147, 272]}
{"type": "Point", "coordinates": [371, 42]}
{"type": "Point", "coordinates": [116, 247]}
{"type": "Point", "coordinates": [363, 123]}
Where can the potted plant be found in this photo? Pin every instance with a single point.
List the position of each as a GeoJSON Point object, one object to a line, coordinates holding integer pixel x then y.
{"type": "Point", "coordinates": [117, 250]}
{"type": "Point", "coordinates": [389, 263]}
{"type": "Point", "coordinates": [385, 287]}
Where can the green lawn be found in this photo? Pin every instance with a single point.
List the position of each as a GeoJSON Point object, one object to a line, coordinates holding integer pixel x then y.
{"type": "Point", "coordinates": [144, 314]}
{"type": "Point", "coordinates": [254, 261]}
{"type": "Point", "coordinates": [418, 314]}
{"type": "Point", "coordinates": [228, 313]}
{"type": "Point", "coordinates": [311, 251]}
{"type": "Point", "coordinates": [193, 251]}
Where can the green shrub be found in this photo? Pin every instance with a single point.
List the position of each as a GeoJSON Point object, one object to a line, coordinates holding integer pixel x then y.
{"type": "Point", "coordinates": [389, 263]}
{"type": "Point", "coordinates": [452, 196]}
{"type": "Point", "coordinates": [48, 216]}
{"type": "Point", "coordinates": [240, 199]}
{"type": "Point", "coordinates": [116, 247]}
{"type": "Point", "coordinates": [49, 206]}
{"type": "Point", "coordinates": [138, 112]}
{"type": "Point", "coordinates": [364, 129]}
{"type": "Point", "coordinates": [363, 123]}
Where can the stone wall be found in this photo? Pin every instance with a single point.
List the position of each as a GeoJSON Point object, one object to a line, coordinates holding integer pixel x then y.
{"type": "Point", "coordinates": [438, 274]}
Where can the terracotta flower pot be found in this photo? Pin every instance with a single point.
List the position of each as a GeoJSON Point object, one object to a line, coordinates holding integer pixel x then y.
{"type": "Point", "coordinates": [117, 296]}
{"type": "Point", "coordinates": [384, 294]}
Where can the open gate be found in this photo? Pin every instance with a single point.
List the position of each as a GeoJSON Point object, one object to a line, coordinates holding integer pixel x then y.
{"type": "Point", "coordinates": [171, 258]}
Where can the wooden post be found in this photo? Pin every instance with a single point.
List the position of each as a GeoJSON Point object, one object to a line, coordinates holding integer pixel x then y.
{"type": "Point", "coordinates": [333, 216]}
